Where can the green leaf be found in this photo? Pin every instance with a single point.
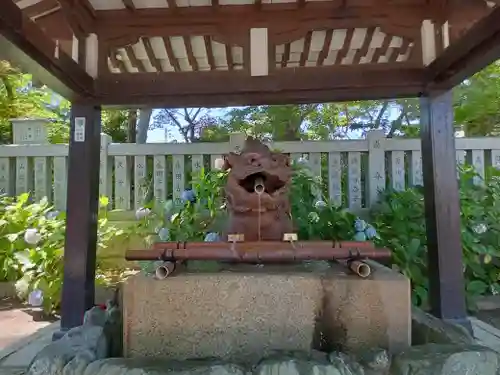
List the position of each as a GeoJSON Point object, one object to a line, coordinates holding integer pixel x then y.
{"type": "Point", "coordinates": [22, 199]}
{"type": "Point", "coordinates": [12, 237]}
{"type": "Point", "coordinates": [103, 201]}
{"type": "Point", "coordinates": [477, 287]}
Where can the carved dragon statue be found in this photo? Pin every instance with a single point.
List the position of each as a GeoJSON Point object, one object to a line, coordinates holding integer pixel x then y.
{"type": "Point", "coordinates": [257, 193]}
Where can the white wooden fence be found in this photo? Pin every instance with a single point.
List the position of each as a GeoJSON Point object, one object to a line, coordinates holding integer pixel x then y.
{"type": "Point", "coordinates": [353, 170]}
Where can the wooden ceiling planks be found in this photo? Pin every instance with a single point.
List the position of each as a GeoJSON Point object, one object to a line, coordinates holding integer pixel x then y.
{"type": "Point", "coordinates": [202, 53]}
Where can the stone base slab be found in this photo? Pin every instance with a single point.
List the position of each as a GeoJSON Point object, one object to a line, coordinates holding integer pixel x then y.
{"type": "Point", "coordinates": [246, 312]}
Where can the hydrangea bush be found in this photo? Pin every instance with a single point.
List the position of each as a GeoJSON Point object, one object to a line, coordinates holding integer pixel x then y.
{"type": "Point", "coordinates": [400, 222]}
{"type": "Point", "coordinates": [397, 223]}
{"type": "Point", "coordinates": [32, 241]}
{"type": "Point", "coordinates": [201, 213]}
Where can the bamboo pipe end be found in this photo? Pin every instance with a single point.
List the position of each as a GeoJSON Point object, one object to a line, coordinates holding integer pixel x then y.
{"type": "Point", "coordinates": [361, 269]}
{"type": "Point", "coordinates": [164, 270]}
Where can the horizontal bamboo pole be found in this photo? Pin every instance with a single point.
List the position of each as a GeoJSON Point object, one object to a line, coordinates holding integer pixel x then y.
{"type": "Point", "coordinates": [263, 251]}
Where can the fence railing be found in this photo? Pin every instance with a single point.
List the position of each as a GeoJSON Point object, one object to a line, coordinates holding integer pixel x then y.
{"type": "Point", "coordinates": [353, 171]}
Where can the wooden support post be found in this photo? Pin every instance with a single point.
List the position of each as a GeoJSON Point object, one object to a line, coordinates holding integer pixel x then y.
{"type": "Point", "coordinates": [82, 210]}
{"type": "Point", "coordinates": [442, 209]}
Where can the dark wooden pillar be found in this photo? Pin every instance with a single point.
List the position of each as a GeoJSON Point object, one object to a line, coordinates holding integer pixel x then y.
{"type": "Point", "coordinates": [442, 208]}
{"type": "Point", "coordinates": [82, 209]}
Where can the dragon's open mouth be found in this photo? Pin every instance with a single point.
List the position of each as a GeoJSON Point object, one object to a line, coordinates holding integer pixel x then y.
{"type": "Point", "coordinates": [261, 182]}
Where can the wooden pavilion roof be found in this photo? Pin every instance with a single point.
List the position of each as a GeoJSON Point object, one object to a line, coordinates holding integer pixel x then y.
{"type": "Point", "coordinates": [228, 52]}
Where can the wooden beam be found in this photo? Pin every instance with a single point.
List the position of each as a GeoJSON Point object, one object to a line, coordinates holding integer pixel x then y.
{"type": "Point", "coordinates": [81, 218]}
{"type": "Point", "coordinates": [442, 208]}
{"type": "Point", "coordinates": [26, 45]}
{"type": "Point", "coordinates": [80, 15]}
{"type": "Point", "coordinates": [476, 49]}
{"type": "Point", "coordinates": [203, 20]}
{"type": "Point", "coordinates": [250, 16]}
{"type": "Point", "coordinates": [218, 88]}
{"type": "Point", "coordinates": [42, 7]}
{"type": "Point", "coordinates": [55, 25]}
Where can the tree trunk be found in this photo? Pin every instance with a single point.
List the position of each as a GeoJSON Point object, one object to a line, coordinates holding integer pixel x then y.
{"type": "Point", "coordinates": [143, 125]}
{"type": "Point", "coordinates": [132, 126]}
{"type": "Point", "coordinates": [142, 136]}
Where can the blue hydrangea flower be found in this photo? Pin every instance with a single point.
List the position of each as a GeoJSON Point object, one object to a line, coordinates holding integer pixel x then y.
{"type": "Point", "coordinates": [164, 234]}
{"type": "Point", "coordinates": [360, 236]}
{"type": "Point", "coordinates": [359, 225]}
{"type": "Point", "coordinates": [188, 196]}
{"type": "Point", "coordinates": [370, 232]}
{"type": "Point", "coordinates": [212, 237]}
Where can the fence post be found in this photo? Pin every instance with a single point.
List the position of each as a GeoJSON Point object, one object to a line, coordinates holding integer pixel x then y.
{"type": "Point", "coordinates": [375, 178]}
{"type": "Point", "coordinates": [32, 131]}
{"type": "Point", "coordinates": [105, 169]}
{"type": "Point", "coordinates": [236, 142]}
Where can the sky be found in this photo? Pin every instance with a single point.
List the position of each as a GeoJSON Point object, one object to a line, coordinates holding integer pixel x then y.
{"type": "Point", "coordinates": [160, 135]}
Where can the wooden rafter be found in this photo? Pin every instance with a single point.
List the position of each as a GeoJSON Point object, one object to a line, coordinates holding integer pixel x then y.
{"type": "Point", "coordinates": [190, 54]}
{"type": "Point", "coordinates": [151, 55]}
{"type": "Point", "coordinates": [210, 54]}
{"type": "Point", "coordinates": [80, 14]}
{"type": "Point", "coordinates": [41, 8]}
{"type": "Point", "coordinates": [326, 47]}
{"type": "Point", "coordinates": [129, 4]}
{"type": "Point", "coordinates": [171, 55]}
{"type": "Point", "coordinates": [135, 62]}
{"type": "Point", "coordinates": [342, 53]}
{"type": "Point", "coordinates": [479, 47]}
{"type": "Point", "coordinates": [26, 45]}
{"type": "Point", "coordinates": [307, 47]}
{"type": "Point", "coordinates": [382, 51]}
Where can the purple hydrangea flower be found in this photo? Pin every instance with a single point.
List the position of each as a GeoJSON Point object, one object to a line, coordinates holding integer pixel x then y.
{"type": "Point", "coordinates": [35, 298]}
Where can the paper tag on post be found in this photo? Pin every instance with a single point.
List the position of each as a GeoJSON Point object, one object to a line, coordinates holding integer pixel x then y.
{"type": "Point", "coordinates": [79, 135]}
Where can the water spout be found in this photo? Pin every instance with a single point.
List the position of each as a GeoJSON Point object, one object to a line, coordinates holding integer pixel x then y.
{"type": "Point", "coordinates": [259, 186]}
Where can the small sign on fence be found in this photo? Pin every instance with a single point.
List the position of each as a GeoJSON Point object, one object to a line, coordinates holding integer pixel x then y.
{"type": "Point", "coordinates": [79, 135]}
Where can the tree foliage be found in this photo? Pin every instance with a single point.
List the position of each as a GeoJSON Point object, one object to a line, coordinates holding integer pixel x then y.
{"type": "Point", "coordinates": [477, 103]}
{"type": "Point", "coordinates": [19, 98]}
